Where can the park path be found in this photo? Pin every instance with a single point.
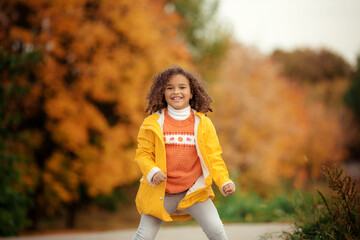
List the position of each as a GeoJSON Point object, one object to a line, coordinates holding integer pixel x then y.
{"type": "Point", "coordinates": [234, 231]}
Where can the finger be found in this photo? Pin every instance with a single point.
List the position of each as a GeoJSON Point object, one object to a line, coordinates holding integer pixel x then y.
{"type": "Point", "coordinates": [160, 181]}
{"type": "Point", "coordinates": [229, 191]}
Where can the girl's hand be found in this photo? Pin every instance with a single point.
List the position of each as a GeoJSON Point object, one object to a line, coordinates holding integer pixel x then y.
{"type": "Point", "coordinates": [158, 178]}
{"type": "Point", "coordinates": [229, 189]}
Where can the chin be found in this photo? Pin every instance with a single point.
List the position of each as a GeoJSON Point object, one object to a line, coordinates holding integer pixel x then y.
{"type": "Point", "coordinates": [179, 107]}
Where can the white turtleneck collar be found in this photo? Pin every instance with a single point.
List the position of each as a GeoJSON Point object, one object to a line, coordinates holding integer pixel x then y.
{"type": "Point", "coordinates": [181, 114]}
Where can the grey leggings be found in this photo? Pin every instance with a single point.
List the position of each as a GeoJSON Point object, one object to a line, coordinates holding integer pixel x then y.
{"type": "Point", "coordinates": [204, 213]}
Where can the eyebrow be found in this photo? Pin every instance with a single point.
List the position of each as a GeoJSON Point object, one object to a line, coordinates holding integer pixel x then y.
{"type": "Point", "coordinates": [181, 84]}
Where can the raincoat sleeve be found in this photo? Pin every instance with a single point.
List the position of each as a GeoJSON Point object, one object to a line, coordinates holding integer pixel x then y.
{"type": "Point", "coordinates": [213, 152]}
{"type": "Point", "coordinates": [145, 153]}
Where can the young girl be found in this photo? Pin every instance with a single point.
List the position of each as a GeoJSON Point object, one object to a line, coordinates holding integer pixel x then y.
{"type": "Point", "coordinates": [179, 156]}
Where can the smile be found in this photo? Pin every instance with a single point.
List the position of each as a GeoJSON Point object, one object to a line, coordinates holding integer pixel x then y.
{"type": "Point", "coordinates": [176, 99]}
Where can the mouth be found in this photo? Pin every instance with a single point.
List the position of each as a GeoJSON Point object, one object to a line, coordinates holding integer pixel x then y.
{"type": "Point", "coordinates": [176, 99]}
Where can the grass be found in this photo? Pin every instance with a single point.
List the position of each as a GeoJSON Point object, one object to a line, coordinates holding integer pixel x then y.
{"type": "Point", "coordinates": [313, 214]}
{"type": "Point", "coordinates": [250, 207]}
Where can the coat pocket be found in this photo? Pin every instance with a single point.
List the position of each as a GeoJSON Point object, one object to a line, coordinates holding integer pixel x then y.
{"type": "Point", "coordinates": [143, 196]}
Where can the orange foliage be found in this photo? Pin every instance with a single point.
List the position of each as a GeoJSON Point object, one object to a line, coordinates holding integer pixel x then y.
{"type": "Point", "coordinates": [268, 129]}
{"type": "Point", "coordinates": [98, 57]}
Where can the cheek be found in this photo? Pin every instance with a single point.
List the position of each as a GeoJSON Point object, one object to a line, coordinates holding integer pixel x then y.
{"type": "Point", "coordinates": [166, 96]}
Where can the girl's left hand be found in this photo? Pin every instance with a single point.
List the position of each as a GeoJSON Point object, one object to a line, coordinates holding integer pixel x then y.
{"type": "Point", "coordinates": [229, 189]}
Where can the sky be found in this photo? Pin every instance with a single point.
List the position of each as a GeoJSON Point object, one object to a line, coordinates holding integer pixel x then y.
{"type": "Point", "coordinates": [291, 24]}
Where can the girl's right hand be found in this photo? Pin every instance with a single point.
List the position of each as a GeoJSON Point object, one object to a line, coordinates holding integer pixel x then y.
{"type": "Point", "coordinates": [158, 178]}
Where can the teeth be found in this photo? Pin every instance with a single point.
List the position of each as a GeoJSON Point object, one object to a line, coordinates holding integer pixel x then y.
{"type": "Point", "coordinates": [176, 98]}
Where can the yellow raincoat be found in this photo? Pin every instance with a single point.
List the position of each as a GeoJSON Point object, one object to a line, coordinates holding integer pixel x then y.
{"type": "Point", "coordinates": [151, 154]}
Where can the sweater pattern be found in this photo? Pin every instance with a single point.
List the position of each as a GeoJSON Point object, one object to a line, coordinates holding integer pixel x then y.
{"type": "Point", "coordinates": [183, 164]}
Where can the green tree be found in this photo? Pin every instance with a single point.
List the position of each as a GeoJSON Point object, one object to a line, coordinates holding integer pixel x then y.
{"type": "Point", "coordinates": [13, 200]}
{"type": "Point", "coordinates": [205, 37]}
{"type": "Point", "coordinates": [352, 100]}
{"type": "Point", "coordinates": [352, 95]}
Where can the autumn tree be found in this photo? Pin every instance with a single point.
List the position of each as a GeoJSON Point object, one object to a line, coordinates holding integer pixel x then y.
{"type": "Point", "coordinates": [86, 99]}
{"type": "Point", "coordinates": [268, 130]}
{"type": "Point", "coordinates": [325, 77]}
{"type": "Point", "coordinates": [310, 65]}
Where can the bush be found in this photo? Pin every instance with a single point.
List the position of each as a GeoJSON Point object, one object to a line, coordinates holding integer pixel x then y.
{"type": "Point", "coordinates": [337, 217]}
{"type": "Point", "coordinates": [110, 202]}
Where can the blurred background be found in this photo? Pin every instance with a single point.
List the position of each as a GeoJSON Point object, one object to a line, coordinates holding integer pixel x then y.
{"type": "Point", "coordinates": [285, 78]}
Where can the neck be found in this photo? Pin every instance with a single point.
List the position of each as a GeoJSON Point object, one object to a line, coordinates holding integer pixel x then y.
{"type": "Point", "coordinates": [179, 114]}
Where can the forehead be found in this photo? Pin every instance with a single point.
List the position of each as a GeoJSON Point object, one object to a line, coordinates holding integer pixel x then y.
{"type": "Point", "coordinates": [177, 80]}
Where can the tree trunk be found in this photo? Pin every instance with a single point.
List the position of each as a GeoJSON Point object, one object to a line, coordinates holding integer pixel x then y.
{"type": "Point", "coordinates": [35, 210]}
{"type": "Point", "coordinates": [71, 215]}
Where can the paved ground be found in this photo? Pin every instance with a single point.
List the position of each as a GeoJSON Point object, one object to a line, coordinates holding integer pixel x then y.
{"type": "Point", "coordinates": [234, 232]}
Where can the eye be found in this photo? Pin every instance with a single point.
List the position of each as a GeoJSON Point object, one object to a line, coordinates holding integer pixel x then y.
{"type": "Point", "coordinates": [168, 88]}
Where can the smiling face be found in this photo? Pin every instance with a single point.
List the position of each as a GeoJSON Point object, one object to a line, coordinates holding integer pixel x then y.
{"type": "Point", "coordinates": [178, 92]}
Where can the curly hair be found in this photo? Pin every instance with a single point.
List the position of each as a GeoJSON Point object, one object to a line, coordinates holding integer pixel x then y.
{"type": "Point", "coordinates": [200, 100]}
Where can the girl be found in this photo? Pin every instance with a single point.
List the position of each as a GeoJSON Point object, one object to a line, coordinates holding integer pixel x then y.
{"type": "Point", "coordinates": [179, 155]}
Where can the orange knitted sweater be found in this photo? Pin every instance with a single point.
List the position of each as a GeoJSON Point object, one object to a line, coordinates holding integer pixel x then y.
{"type": "Point", "coordinates": [182, 161]}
